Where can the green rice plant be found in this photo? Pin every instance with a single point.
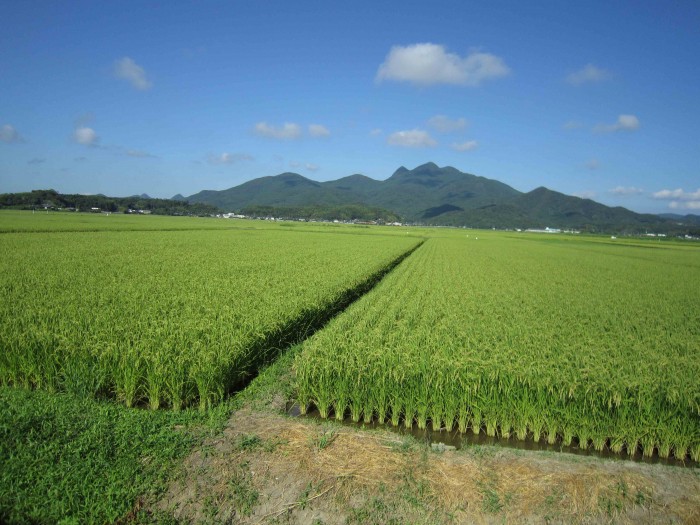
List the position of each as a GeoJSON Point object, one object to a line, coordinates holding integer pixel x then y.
{"type": "Point", "coordinates": [560, 337]}
{"type": "Point", "coordinates": [551, 425]}
{"type": "Point", "coordinates": [463, 417]}
{"type": "Point", "coordinates": [476, 421]}
{"type": "Point", "coordinates": [568, 436]}
{"type": "Point", "coordinates": [128, 375]}
{"type": "Point", "coordinates": [599, 441]}
{"type": "Point", "coordinates": [617, 444]}
{"type": "Point", "coordinates": [172, 318]}
{"type": "Point", "coordinates": [695, 452]}
{"type": "Point", "coordinates": [648, 442]}
{"type": "Point", "coordinates": [491, 425]}
{"type": "Point", "coordinates": [537, 426]}
{"type": "Point", "coordinates": [380, 402]}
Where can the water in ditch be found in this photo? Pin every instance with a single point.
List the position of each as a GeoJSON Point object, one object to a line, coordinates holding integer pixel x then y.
{"type": "Point", "coordinates": [448, 440]}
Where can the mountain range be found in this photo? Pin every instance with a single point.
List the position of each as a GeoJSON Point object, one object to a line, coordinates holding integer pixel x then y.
{"type": "Point", "coordinates": [433, 195]}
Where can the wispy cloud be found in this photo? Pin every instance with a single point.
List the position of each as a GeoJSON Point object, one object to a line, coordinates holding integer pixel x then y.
{"type": "Point", "coordinates": [428, 64]}
{"type": "Point", "coordinates": [126, 69]}
{"type": "Point", "coordinates": [287, 131]}
{"type": "Point", "coordinates": [469, 145]}
{"type": "Point", "coordinates": [592, 164]}
{"type": "Point", "coordinates": [585, 194]}
{"type": "Point", "coordinates": [588, 74]}
{"type": "Point", "coordinates": [228, 158]}
{"type": "Point", "coordinates": [573, 124]}
{"type": "Point", "coordinates": [415, 138]}
{"type": "Point", "coordinates": [376, 132]}
{"type": "Point", "coordinates": [445, 124]}
{"type": "Point", "coordinates": [624, 123]}
{"type": "Point", "coordinates": [86, 136]}
{"type": "Point", "coordinates": [677, 194]}
{"type": "Point", "coordinates": [308, 166]}
{"type": "Point", "coordinates": [9, 135]}
{"type": "Point", "coordinates": [318, 130]}
{"type": "Point", "coordinates": [680, 199]}
{"type": "Point", "coordinates": [686, 205]}
{"type": "Point", "coordinates": [626, 190]}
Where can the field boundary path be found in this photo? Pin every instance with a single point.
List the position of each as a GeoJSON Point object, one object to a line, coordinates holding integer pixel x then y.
{"type": "Point", "coordinates": [308, 323]}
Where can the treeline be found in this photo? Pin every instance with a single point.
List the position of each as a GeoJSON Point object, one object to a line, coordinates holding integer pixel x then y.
{"type": "Point", "coordinates": [51, 199]}
{"type": "Point", "coordinates": [345, 212]}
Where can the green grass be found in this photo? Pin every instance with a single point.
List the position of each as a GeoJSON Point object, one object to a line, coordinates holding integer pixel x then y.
{"type": "Point", "coordinates": [66, 459]}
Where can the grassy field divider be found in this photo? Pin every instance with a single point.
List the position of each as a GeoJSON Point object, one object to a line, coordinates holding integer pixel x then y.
{"type": "Point", "coordinates": [310, 321]}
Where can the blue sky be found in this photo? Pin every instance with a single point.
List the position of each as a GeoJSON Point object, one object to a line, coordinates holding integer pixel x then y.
{"type": "Point", "coordinates": [596, 99]}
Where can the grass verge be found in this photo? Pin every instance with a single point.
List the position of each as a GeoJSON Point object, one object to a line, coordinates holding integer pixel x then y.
{"type": "Point", "coordinates": [65, 459]}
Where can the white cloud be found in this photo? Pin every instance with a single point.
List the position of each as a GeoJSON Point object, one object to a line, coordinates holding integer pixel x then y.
{"type": "Point", "coordinates": [376, 132]}
{"type": "Point", "coordinates": [10, 135]}
{"type": "Point", "coordinates": [317, 130]}
{"type": "Point", "coordinates": [228, 158]}
{"type": "Point", "coordinates": [586, 194]}
{"type": "Point", "coordinates": [588, 74]}
{"type": "Point", "coordinates": [469, 145]}
{"type": "Point", "coordinates": [287, 131]}
{"type": "Point", "coordinates": [414, 138]}
{"type": "Point", "coordinates": [622, 190]}
{"type": "Point", "coordinates": [628, 122]}
{"type": "Point", "coordinates": [573, 124]}
{"type": "Point", "coordinates": [309, 166]}
{"type": "Point", "coordinates": [592, 164]}
{"type": "Point", "coordinates": [677, 194]}
{"type": "Point", "coordinates": [85, 136]}
{"type": "Point", "coordinates": [445, 124]}
{"type": "Point", "coordinates": [428, 64]}
{"type": "Point", "coordinates": [624, 123]}
{"type": "Point", "coordinates": [680, 199]}
{"type": "Point", "coordinates": [125, 68]}
{"type": "Point", "coordinates": [686, 205]}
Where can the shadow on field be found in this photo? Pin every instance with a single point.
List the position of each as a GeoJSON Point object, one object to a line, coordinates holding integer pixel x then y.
{"type": "Point", "coordinates": [307, 324]}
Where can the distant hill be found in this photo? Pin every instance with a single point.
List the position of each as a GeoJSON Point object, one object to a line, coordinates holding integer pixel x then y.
{"type": "Point", "coordinates": [51, 199]}
{"type": "Point", "coordinates": [410, 193]}
{"type": "Point", "coordinates": [683, 219]}
{"type": "Point", "coordinates": [433, 195]}
{"type": "Point", "coordinates": [543, 207]}
{"type": "Point", "coordinates": [343, 212]}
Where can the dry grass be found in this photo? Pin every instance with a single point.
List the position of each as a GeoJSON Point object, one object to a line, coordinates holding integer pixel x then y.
{"type": "Point", "coordinates": [316, 471]}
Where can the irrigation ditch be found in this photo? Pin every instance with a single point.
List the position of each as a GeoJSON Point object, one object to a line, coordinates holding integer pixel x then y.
{"type": "Point", "coordinates": [306, 325]}
{"type": "Point", "coordinates": [442, 440]}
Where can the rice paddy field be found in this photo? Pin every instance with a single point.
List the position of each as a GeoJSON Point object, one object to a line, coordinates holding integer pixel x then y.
{"type": "Point", "coordinates": [579, 340]}
{"type": "Point", "coordinates": [563, 339]}
{"type": "Point", "coordinates": [168, 318]}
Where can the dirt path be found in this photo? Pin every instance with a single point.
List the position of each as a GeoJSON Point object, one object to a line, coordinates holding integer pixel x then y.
{"type": "Point", "coordinates": [269, 468]}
